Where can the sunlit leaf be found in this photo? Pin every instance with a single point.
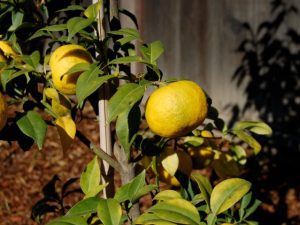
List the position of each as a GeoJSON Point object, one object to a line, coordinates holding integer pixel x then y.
{"type": "Point", "coordinates": [126, 126]}
{"type": "Point", "coordinates": [68, 220]}
{"type": "Point", "coordinates": [152, 51]}
{"type": "Point", "coordinates": [167, 195]}
{"type": "Point", "coordinates": [109, 211]}
{"type": "Point", "coordinates": [244, 136]}
{"type": "Point", "coordinates": [204, 186]}
{"type": "Point", "coordinates": [55, 27]}
{"type": "Point", "coordinates": [178, 211]}
{"type": "Point", "coordinates": [92, 11]}
{"type": "Point", "coordinates": [33, 126]}
{"type": "Point", "coordinates": [254, 126]}
{"type": "Point", "coordinates": [84, 207]}
{"type": "Point", "coordinates": [67, 124]}
{"type": "Point", "coordinates": [227, 193]}
{"type": "Point", "coordinates": [170, 163]}
{"type": "Point", "coordinates": [90, 179]}
{"type": "Point", "coordinates": [89, 81]}
{"type": "Point", "coordinates": [76, 24]}
{"type": "Point", "coordinates": [126, 60]}
{"type": "Point", "coordinates": [124, 99]}
{"type": "Point", "coordinates": [193, 141]}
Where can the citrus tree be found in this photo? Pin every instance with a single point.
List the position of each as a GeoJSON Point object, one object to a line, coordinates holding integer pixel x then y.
{"type": "Point", "coordinates": [55, 58]}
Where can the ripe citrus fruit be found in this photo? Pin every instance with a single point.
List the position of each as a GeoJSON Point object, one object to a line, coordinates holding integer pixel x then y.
{"type": "Point", "coordinates": [185, 166]}
{"type": "Point", "coordinates": [3, 112]}
{"type": "Point", "coordinates": [63, 59]}
{"type": "Point", "coordinates": [176, 108]}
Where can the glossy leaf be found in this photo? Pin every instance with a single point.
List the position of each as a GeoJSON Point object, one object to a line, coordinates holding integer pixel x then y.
{"type": "Point", "coordinates": [152, 51]}
{"type": "Point", "coordinates": [109, 211]}
{"type": "Point", "coordinates": [32, 60]}
{"type": "Point", "coordinates": [178, 211]}
{"type": "Point", "coordinates": [244, 136]}
{"type": "Point", "coordinates": [55, 27]}
{"type": "Point", "coordinates": [126, 60]}
{"type": "Point", "coordinates": [124, 99]}
{"type": "Point", "coordinates": [255, 127]}
{"type": "Point", "coordinates": [89, 81]}
{"type": "Point", "coordinates": [33, 126]}
{"type": "Point", "coordinates": [135, 189]}
{"type": "Point", "coordinates": [126, 126]}
{"type": "Point", "coordinates": [170, 163]}
{"type": "Point", "coordinates": [193, 141]}
{"type": "Point", "coordinates": [84, 207]}
{"type": "Point", "coordinates": [90, 179]}
{"type": "Point", "coordinates": [72, 8]}
{"type": "Point", "coordinates": [227, 193]}
{"type": "Point", "coordinates": [204, 186]}
{"type": "Point", "coordinates": [67, 124]}
{"type": "Point", "coordinates": [77, 24]}
{"type": "Point", "coordinates": [150, 218]}
{"type": "Point", "coordinates": [167, 195]}
{"type": "Point", "coordinates": [92, 11]}
{"type": "Point", "coordinates": [68, 220]}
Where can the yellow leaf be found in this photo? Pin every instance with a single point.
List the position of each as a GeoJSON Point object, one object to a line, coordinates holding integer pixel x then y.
{"type": "Point", "coordinates": [207, 134]}
{"type": "Point", "coordinates": [66, 129]}
{"type": "Point", "coordinates": [51, 93]}
{"type": "Point", "coordinates": [59, 109]}
{"type": "Point", "coordinates": [171, 163]}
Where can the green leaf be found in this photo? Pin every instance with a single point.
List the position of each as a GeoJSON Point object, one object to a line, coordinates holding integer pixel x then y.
{"type": "Point", "coordinates": [90, 179]}
{"type": "Point", "coordinates": [149, 218]}
{"type": "Point", "coordinates": [77, 24]}
{"type": "Point", "coordinates": [17, 20]}
{"type": "Point", "coordinates": [126, 126]}
{"type": "Point", "coordinates": [124, 99]}
{"type": "Point", "coordinates": [32, 60]}
{"type": "Point", "coordinates": [72, 8]}
{"type": "Point", "coordinates": [55, 27]}
{"type": "Point", "coordinates": [252, 208]}
{"type": "Point", "coordinates": [211, 219]}
{"type": "Point", "coordinates": [89, 81]}
{"type": "Point", "coordinates": [92, 11]}
{"type": "Point", "coordinates": [204, 186]}
{"type": "Point", "coordinates": [126, 60]}
{"type": "Point", "coordinates": [178, 211]}
{"type": "Point", "coordinates": [244, 136]}
{"type": "Point", "coordinates": [66, 220]}
{"type": "Point", "coordinates": [33, 126]}
{"type": "Point", "coordinates": [193, 141]}
{"type": "Point", "coordinates": [37, 34]}
{"type": "Point", "coordinates": [254, 126]}
{"type": "Point", "coordinates": [133, 190]}
{"type": "Point", "coordinates": [152, 51]}
{"type": "Point", "coordinates": [84, 207]}
{"type": "Point", "coordinates": [126, 32]}
{"type": "Point", "coordinates": [244, 204]}
{"type": "Point", "coordinates": [240, 154]}
{"type": "Point", "coordinates": [227, 193]}
{"type": "Point", "coordinates": [109, 211]}
{"type": "Point", "coordinates": [167, 195]}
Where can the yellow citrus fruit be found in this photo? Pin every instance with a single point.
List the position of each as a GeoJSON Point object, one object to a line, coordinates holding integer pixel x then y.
{"type": "Point", "coordinates": [176, 108]}
{"type": "Point", "coordinates": [226, 224]}
{"type": "Point", "coordinates": [202, 156]}
{"type": "Point", "coordinates": [63, 59]}
{"type": "Point", "coordinates": [185, 166]}
{"type": "Point", "coordinates": [3, 112]}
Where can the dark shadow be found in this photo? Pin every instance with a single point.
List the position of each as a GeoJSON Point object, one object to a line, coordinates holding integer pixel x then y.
{"type": "Point", "coordinates": [271, 68]}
